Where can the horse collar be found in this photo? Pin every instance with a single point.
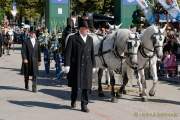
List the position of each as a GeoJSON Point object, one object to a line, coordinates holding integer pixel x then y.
{"type": "Point", "coordinates": [141, 49]}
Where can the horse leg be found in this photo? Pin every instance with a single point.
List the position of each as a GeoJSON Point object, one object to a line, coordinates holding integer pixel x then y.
{"type": "Point", "coordinates": [113, 93]}
{"type": "Point", "coordinates": [122, 88]}
{"type": "Point", "coordinates": [107, 78]}
{"type": "Point", "coordinates": [138, 82]}
{"type": "Point", "coordinates": [140, 87]}
{"type": "Point", "coordinates": [143, 81]}
{"type": "Point", "coordinates": [155, 80]}
{"type": "Point", "coordinates": [100, 90]}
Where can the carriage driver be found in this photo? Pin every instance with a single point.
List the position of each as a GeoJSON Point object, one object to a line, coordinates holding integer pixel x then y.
{"type": "Point", "coordinates": [79, 64]}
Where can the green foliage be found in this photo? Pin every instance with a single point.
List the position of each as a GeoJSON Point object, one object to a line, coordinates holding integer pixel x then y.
{"type": "Point", "coordinates": [1, 15]}
{"type": "Point", "coordinates": [31, 9]}
{"type": "Point", "coordinates": [98, 6]}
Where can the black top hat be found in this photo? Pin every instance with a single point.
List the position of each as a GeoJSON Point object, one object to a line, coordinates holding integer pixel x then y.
{"type": "Point", "coordinates": [31, 29]}
{"type": "Point", "coordinates": [83, 23]}
{"type": "Point", "coordinates": [84, 14]}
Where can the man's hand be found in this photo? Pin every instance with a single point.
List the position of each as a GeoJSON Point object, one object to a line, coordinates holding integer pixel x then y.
{"type": "Point", "coordinates": [94, 70]}
{"type": "Point", "coordinates": [39, 63]}
{"type": "Point", "coordinates": [25, 61]}
{"type": "Point", "coordinates": [66, 69]}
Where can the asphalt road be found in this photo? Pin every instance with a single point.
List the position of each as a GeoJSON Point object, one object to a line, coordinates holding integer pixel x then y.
{"type": "Point", "coordinates": [52, 102]}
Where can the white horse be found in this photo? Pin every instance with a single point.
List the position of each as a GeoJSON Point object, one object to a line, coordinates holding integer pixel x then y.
{"type": "Point", "coordinates": [111, 50]}
{"type": "Point", "coordinates": [150, 49]}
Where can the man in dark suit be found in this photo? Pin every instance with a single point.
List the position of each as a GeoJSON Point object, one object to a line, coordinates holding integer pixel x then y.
{"type": "Point", "coordinates": [80, 64]}
{"type": "Point", "coordinates": [72, 22]}
{"type": "Point", "coordinates": [1, 40]}
{"type": "Point", "coordinates": [31, 58]}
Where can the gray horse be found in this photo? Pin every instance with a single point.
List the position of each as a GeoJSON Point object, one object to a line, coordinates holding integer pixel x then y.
{"type": "Point", "coordinates": [111, 52]}
{"type": "Point", "coordinates": [150, 50]}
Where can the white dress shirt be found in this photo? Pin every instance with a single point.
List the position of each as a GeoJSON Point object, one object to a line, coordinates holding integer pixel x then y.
{"type": "Point", "coordinates": [33, 41]}
{"type": "Point", "coordinates": [74, 21]}
{"type": "Point", "coordinates": [83, 37]}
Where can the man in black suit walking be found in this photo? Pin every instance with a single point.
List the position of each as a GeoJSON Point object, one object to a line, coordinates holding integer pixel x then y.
{"type": "Point", "coordinates": [31, 58]}
{"type": "Point", "coordinates": [1, 42]}
{"type": "Point", "coordinates": [79, 64]}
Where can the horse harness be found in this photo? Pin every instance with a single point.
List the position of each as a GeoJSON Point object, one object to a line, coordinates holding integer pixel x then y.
{"type": "Point", "coordinates": [114, 50]}
{"type": "Point", "coordinates": [142, 52]}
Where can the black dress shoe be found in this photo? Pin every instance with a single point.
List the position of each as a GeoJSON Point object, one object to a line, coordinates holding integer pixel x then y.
{"type": "Point", "coordinates": [84, 109]}
{"type": "Point", "coordinates": [27, 87]}
{"type": "Point", "coordinates": [73, 104]}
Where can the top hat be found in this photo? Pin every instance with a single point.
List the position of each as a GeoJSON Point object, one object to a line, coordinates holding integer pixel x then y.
{"type": "Point", "coordinates": [83, 23]}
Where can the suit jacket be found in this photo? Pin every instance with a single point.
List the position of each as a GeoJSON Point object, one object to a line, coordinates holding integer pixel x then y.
{"type": "Point", "coordinates": [80, 57]}
{"type": "Point", "coordinates": [71, 23]}
{"type": "Point", "coordinates": [33, 55]}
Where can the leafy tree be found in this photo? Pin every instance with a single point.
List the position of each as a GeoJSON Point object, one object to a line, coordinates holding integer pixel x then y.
{"type": "Point", "coordinates": [30, 9]}
{"type": "Point", "coordinates": [98, 6]}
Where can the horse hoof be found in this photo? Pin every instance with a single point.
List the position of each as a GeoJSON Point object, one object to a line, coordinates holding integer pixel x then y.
{"type": "Point", "coordinates": [114, 100]}
{"type": "Point", "coordinates": [152, 94]}
{"type": "Point", "coordinates": [101, 95]}
{"type": "Point", "coordinates": [140, 95]}
{"type": "Point", "coordinates": [144, 99]}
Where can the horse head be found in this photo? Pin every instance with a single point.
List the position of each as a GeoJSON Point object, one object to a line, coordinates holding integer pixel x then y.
{"type": "Point", "coordinates": [158, 40]}
{"type": "Point", "coordinates": [132, 47]}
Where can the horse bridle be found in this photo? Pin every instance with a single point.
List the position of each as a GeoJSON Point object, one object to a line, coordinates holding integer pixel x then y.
{"type": "Point", "coordinates": [142, 47]}
{"type": "Point", "coordinates": [153, 38]}
{"type": "Point", "coordinates": [133, 39]}
{"type": "Point", "coordinates": [114, 50]}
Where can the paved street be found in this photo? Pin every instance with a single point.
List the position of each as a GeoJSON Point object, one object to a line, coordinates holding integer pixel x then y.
{"type": "Point", "coordinates": [52, 100]}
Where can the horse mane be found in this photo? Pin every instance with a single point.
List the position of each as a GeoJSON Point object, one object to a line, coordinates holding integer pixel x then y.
{"type": "Point", "coordinates": [148, 32]}
{"type": "Point", "coordinates": [122, 37]}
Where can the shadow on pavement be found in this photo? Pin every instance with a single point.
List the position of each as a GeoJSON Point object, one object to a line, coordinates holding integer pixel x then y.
{"type": "Point", "coordinates": [51, 78]}
{"type": "Point", "coordinates": [106, 98]}
{"type": "Point", "coordinates": [131, 99]}
{"type": "Point", "coordinates": [165, 101]}
{"type": "Point", "coordinates": [39, 104]}
{"type": "Point", "coordinates": [12, 69]}
{"type": "Point", "coordinates": [154, 100]}
{"type": "Point", "coordinates": [62, 94]}
{"type": "Point", "coordinates": [51, 82]}
{"type": "Point", "coordinates": [10, 88]}
{"type": "Point", "coordinates": [65, 95]}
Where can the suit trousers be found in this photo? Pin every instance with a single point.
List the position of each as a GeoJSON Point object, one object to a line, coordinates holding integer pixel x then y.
{"type": "Point", "coordinates": [84, 96]}
{"type": "Point", "coordinates": [34, 80]}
